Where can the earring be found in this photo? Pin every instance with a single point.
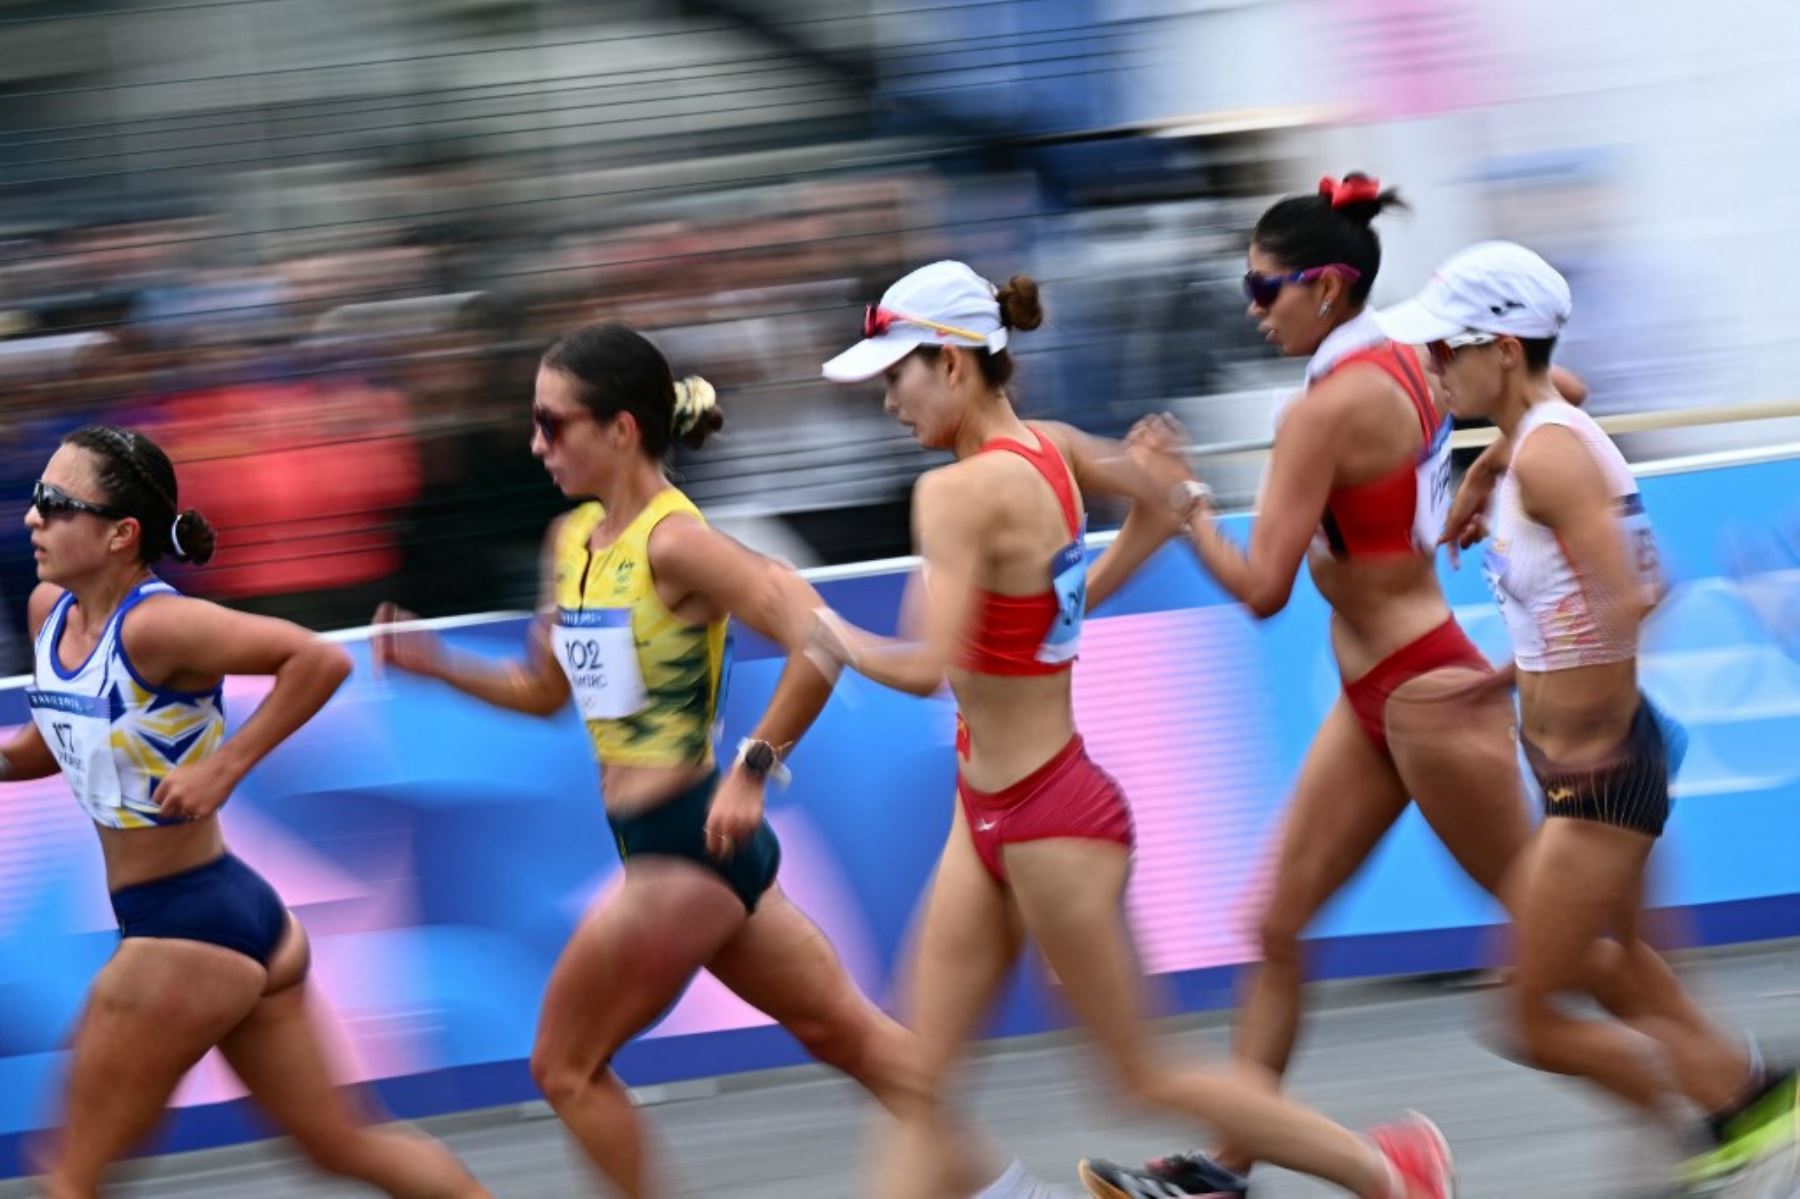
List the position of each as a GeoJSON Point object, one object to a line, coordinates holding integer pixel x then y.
{"type": "Point", "coordinates": [1325, 308]}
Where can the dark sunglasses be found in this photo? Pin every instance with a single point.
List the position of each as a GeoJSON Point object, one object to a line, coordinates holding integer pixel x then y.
{"type": "Point", "coordinates": [551, 424]}
{"type": "Point", "coordinates": [1443, 353]}
{"type": "Point", "coordinates": [1263, 290]}
{"type": "Point", "coordinates": [51, 500]}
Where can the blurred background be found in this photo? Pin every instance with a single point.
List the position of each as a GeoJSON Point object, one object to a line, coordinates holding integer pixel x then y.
{"type": "Point", "coordinates": [315, 246]}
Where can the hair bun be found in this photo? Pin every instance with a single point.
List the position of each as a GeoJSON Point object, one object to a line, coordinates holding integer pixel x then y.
{"type": "Point", "coordinates": [1020, 307]}
{"type": "Point", "coordinates": [191, 537]}
{"type": "Point", "coordinates": [1358, 196]}
{"type": "Point", "coordinates": [697, 414]}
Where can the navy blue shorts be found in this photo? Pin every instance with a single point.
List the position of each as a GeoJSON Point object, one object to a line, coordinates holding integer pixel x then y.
{"type": "Point", "coordinates": [676, 828]}
{"type": "Point", "coordinates": [222, 903]}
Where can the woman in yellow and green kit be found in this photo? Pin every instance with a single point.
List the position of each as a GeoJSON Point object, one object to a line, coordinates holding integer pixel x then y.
{"type": "Point", "coordinates": [637, 594]}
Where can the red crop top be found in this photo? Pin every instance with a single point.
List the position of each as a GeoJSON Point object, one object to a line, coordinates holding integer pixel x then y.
{"type": "Point", "coordinates": [1403, 511]}
{"type": "Point", "coordinates": [1039, 633]}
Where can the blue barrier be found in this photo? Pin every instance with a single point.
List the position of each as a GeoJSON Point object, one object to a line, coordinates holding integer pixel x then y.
{"type": "Point", "coordinates": [440, 852]}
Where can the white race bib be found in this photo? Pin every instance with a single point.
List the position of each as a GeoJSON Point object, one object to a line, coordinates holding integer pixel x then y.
{"type": "Point", "coordinates": [598, 652]}
{"type": "Point", "coordinates": [1433, 482]}
{"type": "Point", "coordinates": [1068, 579]}
{"type": "Point", "coordinates": [78, 734]}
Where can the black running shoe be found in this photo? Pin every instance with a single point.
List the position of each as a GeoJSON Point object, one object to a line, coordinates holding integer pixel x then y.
{"type": "Point", "coordinates": [1105, 1180]}
{"type": "Point", "coordinates": [1199, 1174]}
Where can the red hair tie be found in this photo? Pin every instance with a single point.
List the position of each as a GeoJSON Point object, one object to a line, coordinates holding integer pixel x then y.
{"type": "Point", "coordinates": [1363, 190]}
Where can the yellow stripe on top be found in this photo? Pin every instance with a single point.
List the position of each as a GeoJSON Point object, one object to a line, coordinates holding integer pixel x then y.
{"type": "Point", "coordinates": [681, 663]}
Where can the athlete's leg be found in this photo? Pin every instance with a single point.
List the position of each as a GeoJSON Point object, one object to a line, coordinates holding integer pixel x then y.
{"type": "Point", "coordinates": [1711, 1069]}
{"type": "Point", "coordinates": [1071, 893]}
{"type": "Point", "coordinates": [1345, 800]}
{"type": "Point", "coordinates": [154, 1011]}
{"type": "Point", "coordinates": [1453, 745]}
{"type": "Point", "coordinates": [1451, 732]}
{"type": "Point", "coordinates": [781, 964]}
{"type": "Point", "coordinates": [630, 959]}
{"type": "Point", "coordinates": [967, 940]}
{"type": "Point", "coordinates": [1577, 875]}
{"type": "Point", "coordinates": [278, 1054]}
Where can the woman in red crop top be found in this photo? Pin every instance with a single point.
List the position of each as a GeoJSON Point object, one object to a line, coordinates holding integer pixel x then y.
{"type": "Point", "coordinates": [1358, 485]}
{"type": "Point", "coordinates": [1040, 843]}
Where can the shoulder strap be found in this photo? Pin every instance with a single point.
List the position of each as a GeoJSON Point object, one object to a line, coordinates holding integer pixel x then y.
{"type": "Point", "coordinates": [1049, 463]}
{"type": "Point", "coordinates": [1401, 363]}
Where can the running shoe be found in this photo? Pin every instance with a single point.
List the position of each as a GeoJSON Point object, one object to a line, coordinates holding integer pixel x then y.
{"type": "Point", "coordinates": [1416, 1149]}
{"type": "Point", "coordinates": [1763, 1130]}
{"type": "Point", "coordinates": [1199, 1174]}
{"type": "Point", "coordinates": [1106, 1180]}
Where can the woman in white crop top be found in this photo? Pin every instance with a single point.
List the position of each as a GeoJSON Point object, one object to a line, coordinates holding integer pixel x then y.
{"type": "Point", "coordinates": [1572, 564]}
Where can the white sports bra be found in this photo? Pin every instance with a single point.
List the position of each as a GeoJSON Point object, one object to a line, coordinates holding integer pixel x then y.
{"type": "Point", "coordinates": [1547, 612]}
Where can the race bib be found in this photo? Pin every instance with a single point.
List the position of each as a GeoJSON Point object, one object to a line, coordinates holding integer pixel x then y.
{"type": "Point", "coordinates": [598, 653]}
{"type": "Point", "coordinates": [1068, 579]}
{"type": "Point", "coordinates": [1640, 543]}
{"type": "Point", "coordinates": [1433, 476]}
{"type": "Point", "coordinates": [77, 729]}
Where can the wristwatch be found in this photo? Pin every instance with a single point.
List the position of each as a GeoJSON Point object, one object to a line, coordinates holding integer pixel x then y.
{"type": "Point", "coordinates": [1188, 495]}
{"type": "Point", "coordinates": [758, 758]}
{"type": "Point", "coordinates": [760, 761]}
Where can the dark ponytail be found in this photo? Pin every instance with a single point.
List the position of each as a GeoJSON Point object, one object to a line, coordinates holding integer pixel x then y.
{"type": "Point", "coordinates": [1330, 226]}
{"type": "Point", "coordinates": [138, 479]}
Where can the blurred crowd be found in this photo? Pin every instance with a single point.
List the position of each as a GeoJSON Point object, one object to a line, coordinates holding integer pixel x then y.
{"type": "Point", "coordinates": [333, 324]}
{"type": "Point", "coordinates": [353, 414]}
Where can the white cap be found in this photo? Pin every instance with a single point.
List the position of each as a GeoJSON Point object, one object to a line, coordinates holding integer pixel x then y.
{"type": "Point", "coordinates": [944, 304]}
{"type": "Point", "coordinates": [1491, 287]}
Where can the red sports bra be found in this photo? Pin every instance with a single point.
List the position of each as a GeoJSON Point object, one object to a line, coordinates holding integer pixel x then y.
{"type": "Point", "coordinates": [1403, 511]}
{"type": "Point", "coordinates": [1040, 633]}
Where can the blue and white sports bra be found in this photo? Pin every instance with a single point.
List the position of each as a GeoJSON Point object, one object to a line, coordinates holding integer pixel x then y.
{"type": "Point", "coordinates": [114, 735]}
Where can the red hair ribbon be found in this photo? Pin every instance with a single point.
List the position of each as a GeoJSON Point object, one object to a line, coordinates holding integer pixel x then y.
{"type": "Point", "coordinates": [1350, 191]}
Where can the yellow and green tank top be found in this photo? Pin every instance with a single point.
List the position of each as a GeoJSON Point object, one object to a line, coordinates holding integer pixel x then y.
{"type": "Point", "coordinates": [681, 664]}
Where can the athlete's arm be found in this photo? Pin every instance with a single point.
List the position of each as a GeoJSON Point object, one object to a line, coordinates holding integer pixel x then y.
{"type": "Point", "coordinates": [949, 517]}
{"type": "Point", "coordinates": [1103, 467]}
{"type": "Point", "coordinates": [689, 557]}
{"type": "Point", "coordinates": [189, 643]}
{"type": "Point", "coordinates": [1466, 521]}
{"type": "Point", "coordinates": [1294, 492]}
{"type": "Point", "coordinates": [1464, 524]}
{"type": "Point", "coordinates": [537, 686]}
{"type": "Point", "coordinates": [1560, 488]}
{"type": "Point", "coordinates": [25, 756]}
{"type": "Point", "coordinates": [1569, 385]}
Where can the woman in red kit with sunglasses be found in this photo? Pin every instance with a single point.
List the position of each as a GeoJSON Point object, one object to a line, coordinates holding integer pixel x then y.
{"type": "Point", "coordinates": [1358, 487]}
{"type": "Point", "coordinates": [1040, 841]}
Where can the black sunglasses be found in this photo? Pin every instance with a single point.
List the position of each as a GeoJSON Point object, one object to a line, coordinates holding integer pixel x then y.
{"type": "Point", "coordinates": [551, 424]}
{"type": "Point", "coordinates": [51, 500]}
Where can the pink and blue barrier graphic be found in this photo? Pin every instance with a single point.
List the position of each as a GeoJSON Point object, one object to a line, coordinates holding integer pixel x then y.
{"type": "Point", "coordinates": [440, 852]}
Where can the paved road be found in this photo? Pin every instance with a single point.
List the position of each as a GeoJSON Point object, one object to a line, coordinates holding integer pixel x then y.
{"type": "Point", "coordinates": [1373, 1048]}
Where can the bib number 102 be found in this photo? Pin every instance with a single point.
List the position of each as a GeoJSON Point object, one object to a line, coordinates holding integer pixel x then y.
{"type": "Point", "coordinates": [585, 657]}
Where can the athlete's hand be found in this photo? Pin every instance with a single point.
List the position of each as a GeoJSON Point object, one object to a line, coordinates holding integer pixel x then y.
{"type": "Point", "coordinates": [737, 810]}
{"type": "Point", "coordinates": [196, 791]}
{"type": "Point", "coordinates": [1158, 445]}
{"type": "Point", "coordinates": [414, 650]}
{"type": "Point", "coordinates": [831, 643]}
{"type": "Point", "coordinates": [1466, 523]}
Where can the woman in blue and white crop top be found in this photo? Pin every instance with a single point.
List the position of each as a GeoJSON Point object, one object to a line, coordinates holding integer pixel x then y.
{"type": "Point", "coordinates": [126, 703]}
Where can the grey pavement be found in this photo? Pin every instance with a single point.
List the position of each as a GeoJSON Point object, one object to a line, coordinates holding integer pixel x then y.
{"type": "Point", "coordinates": [1371, 1050]}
